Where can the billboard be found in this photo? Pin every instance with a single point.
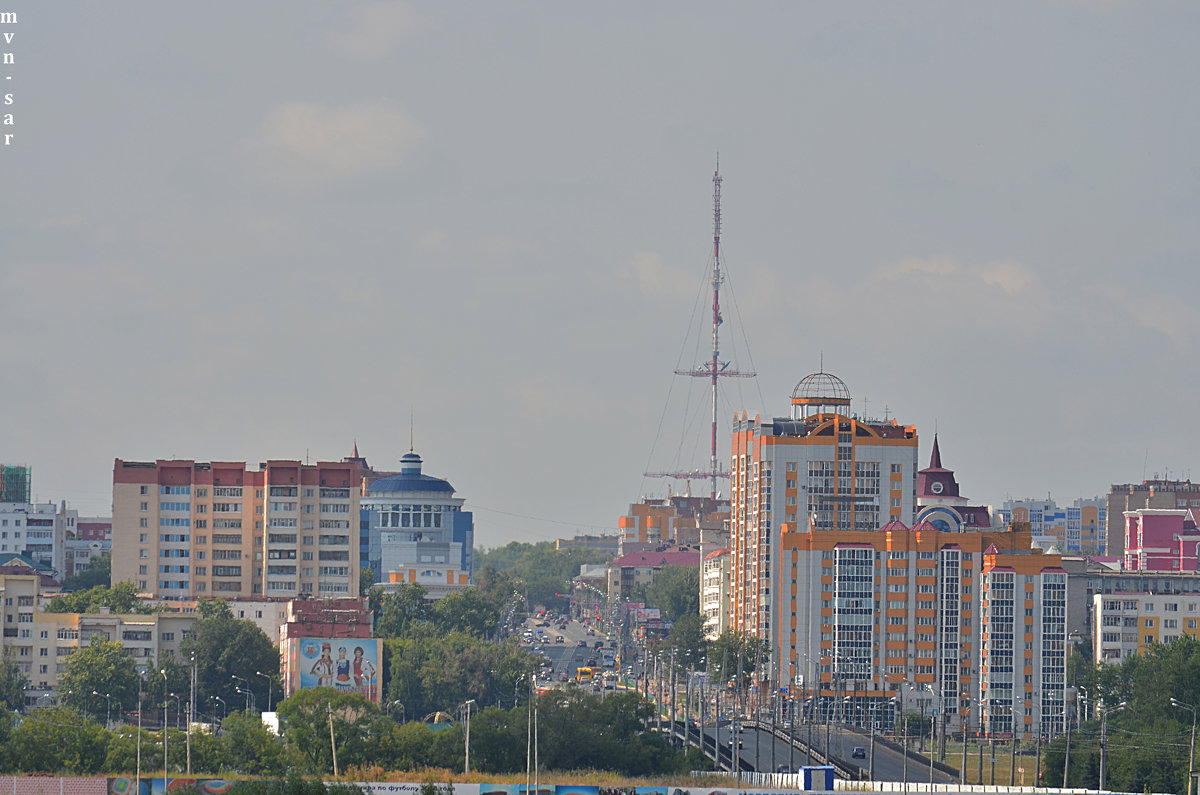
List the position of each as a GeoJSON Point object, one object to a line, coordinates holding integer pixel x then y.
{"type": "Point", "coordinates": [351, 665]}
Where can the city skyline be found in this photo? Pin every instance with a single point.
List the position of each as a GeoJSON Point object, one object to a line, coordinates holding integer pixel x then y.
{"type": "Point", "coordinates": [261, 232]}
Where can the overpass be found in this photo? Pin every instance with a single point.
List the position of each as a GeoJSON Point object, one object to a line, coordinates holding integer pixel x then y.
{"type": "Point", "coordinates": [764, 749]}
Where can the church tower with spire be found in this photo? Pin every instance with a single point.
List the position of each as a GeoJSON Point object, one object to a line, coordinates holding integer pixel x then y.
{"type": "Point", "coordinates": [940, 503]}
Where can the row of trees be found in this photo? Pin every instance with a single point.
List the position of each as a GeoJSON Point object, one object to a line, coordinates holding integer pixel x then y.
{"type": "Point", "coordinates": [543, 572]}
{"type": "Point", "coordinates": [1148, 739]}
{"type": "Point", "coordinates": [576, 731]}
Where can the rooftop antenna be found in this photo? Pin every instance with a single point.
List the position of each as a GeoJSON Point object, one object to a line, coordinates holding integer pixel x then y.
{"type": "Point", "coordinates": [410, 429]}
{"type": "Point", "coordinates": [714, 368]}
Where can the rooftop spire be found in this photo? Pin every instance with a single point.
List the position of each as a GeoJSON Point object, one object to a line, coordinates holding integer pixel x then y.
{"type": "Point", "coordinates": [935, 460]}
{"type": "Point", "coordinates": [355, 453]}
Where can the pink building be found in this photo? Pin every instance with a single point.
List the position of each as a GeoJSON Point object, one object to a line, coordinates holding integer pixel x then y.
{"type": "Point", "coordinates": [1161, 539]}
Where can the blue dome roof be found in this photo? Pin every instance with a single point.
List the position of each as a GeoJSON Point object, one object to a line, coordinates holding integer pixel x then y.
{"type": "Point", "coordinates": [410, 478]}
{"type": "Point", "coordinates": [404, 482]}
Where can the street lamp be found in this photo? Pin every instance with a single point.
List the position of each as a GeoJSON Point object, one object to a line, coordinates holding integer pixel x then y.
{"type": "Point", "coordinates": [270, 687]}
{"type": "Point", "coordinates": [166, 780]}
{"type": "Point", "coordinates": [1104, 712]}
{"type": "Point", "coordinates": [250, 704]}
{"type": "Point", "coordinates": [1192, 752]}
{"type": "Point", "coordinates": [107, 707]}
{"type": "Point", "coordinates": [221, 714]}
{"type": "Point", "coordinates": [467, 747]}
{"type": "Point", "coordinates": [237, 678]}
{"type": "Point", "coordinates": [141, 687]}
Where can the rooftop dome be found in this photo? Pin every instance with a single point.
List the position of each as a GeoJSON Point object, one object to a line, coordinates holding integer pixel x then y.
{"type": "Point", "coordinates": [410, 478]}
{"type": "Point", "coordinates": [817, 391]}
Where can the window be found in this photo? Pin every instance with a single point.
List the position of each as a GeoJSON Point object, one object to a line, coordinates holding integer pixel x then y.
{"type": "Point", "coordinates": [145, 506]}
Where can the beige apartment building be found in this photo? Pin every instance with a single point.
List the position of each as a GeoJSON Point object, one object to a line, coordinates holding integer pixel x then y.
{"type": "Point", "coordinates": [185, 530]}
{"type": "Point", "coordinates": [41, 643]}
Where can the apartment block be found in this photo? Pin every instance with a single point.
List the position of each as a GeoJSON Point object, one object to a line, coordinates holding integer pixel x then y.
{"type": "Point", "coordinates": [1079, 528]}
{"type": "Point", "coordinates": [678, 519]}
{"type": "Point", "coordinates": [41, 643]}
{"type": "Point", "coordinates": [91, 539]}
{"type": "Point", "coordinates": [714, 593]}
{"type": "Point", "coordinates": [631, 571]}
{"type": "Point", "coordinates": [38, 531]}
{"type": "Point", "coordinates": [1162, 539]}
{"type": "Point", "coordinates": [1156, 493]}
{"type": "Point", "coordinates": [917, 613]}
{"type": "Point", "coordinates": [184, 530]}
{"type": "Point", "coordinates": [1127, 624]}
{"type": "Point", "coordinates": [822, 469]}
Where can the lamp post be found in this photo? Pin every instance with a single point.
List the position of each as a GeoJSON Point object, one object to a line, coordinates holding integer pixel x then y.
{"type": "Point", "coordinates": [1104, 712]}
{"type": "Point", "coordinates": [1192, 752]}
{"type": "Point", "coordinates": [966, 730]}
{"type": "Point", "coordinates": [221, 714]}
{"type": "Point", "coordinates": [467, 747]}
{"type": "Point", "coordinates": [239, 690]}
{"type": "Point", "coordinates": [166, 780]}
{"type": "Point", "coordinates": [138, 775]}
{"type": "Point", "coordinates": [270, 687]}
{"type": "Point", "coordinates": [107, 707]}
{"type": "Point", "coordinates": [250, 705]}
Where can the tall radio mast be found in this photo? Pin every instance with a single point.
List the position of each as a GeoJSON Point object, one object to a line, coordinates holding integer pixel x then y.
{"type": "Point", "coordinates": [714, 368]}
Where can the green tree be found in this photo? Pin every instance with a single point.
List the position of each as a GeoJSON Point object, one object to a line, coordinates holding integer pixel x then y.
{"type": "Point", "coordinates": [725, 652]}
{"type": "Point", "coordinates": [402, 609]}
{"type": "Point", "coordinates": [214, 608]}
{"type": "Point", "coordinates": [121, 598]}
{"type": "Point", "coordinates": [430, 673]}
{"type": "Point", "coordinates": [122, 753]}
{"type": "Point", "coordinates": [542, 572]}
{"type": "Point", "coordinates": [675, 591]}
{"type": "Point", "coordinates": [98, 573]}
{"type": "Point", "coordinates": [688, 641]}
{"type": "Point", "coordinates": [101, 666]}
{"type": "Point", "coordinates": [465, 611]}
{"type": "Point", "coordinates": [307, 715]}
{"type": "Point", "coordinates": [12, 684]}
{"type": "Point", "coordinates": [8, 722]}
{"type": "Point", "coordinates": [58, 739]}
{"type": "Point", "coordinates": [225, 648]}
{"type": "Point", "coordinates": [366, 579]}
{"type": "Point", "coordinates": [251, 748]}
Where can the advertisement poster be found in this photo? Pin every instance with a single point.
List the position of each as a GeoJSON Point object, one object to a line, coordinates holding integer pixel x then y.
{"type": "Point", "coordinates": [351, 665]}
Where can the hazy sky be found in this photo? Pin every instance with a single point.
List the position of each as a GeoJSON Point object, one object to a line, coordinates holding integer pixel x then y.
{"type": "Point", "coordinates": [252, 230]}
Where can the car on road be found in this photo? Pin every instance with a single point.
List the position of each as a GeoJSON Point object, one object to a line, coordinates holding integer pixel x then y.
{"type": "Point", "coordinates": [559, 639]}
{"type": "Point", "coordinates": [582, 644]}
{"type": "Point", "coordinates": [599, 644]}
{"type": "Point", "coordinates": [859, 752]}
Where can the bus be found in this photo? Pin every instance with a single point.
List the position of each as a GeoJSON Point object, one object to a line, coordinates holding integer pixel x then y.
{"type": "Point", "coordinates": [584, 675]}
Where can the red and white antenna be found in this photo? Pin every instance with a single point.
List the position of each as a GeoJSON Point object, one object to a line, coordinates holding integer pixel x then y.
{"type": "Point", "coordinates": [715, 368]}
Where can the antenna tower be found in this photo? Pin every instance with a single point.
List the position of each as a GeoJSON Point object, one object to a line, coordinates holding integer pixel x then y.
{"type": "Point", "coordinates": [714, 368]}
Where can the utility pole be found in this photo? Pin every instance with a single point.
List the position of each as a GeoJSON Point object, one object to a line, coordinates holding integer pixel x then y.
{"type": "Point", "coordinates": [332, 744]}
{"type": "Point", "coordinates": [1067, 755]}
{"type": "Point", "coordinates": [1104, 739]}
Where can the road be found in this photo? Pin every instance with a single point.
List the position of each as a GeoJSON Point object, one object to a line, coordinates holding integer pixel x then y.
{"type": "Point", "coordinates": [568, 656]}
{"type": "Point", "coordinates": [761, 750]}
